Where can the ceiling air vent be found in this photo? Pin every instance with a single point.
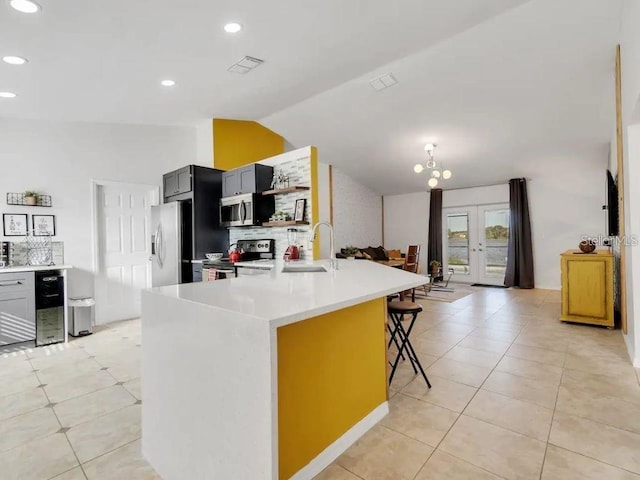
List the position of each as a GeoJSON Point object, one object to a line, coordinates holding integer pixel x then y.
{"type": "Point", "coordinates": [245, 65]}
{"type": "Point", "coordinates": [385, 81]}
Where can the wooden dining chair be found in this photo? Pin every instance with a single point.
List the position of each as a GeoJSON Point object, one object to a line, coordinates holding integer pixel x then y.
{"type": "Point", "coordinates": [412, 258]}
{"type": "Point", "coordinates": [411, 264]}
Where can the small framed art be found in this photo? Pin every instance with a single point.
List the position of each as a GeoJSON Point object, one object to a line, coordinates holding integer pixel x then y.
{"type": "Point", "coordinates": [14, 224]}
{"type": "Point", "coordinates": [300, 208]}
{"type": "Point", "coordinates": [43, 225]}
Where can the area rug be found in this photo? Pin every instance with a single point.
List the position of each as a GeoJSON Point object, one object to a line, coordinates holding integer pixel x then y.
{"type": "Point", "coordinates": [460, 290]}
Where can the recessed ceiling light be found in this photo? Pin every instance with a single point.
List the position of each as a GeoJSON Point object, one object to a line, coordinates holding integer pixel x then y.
{"type": "Point", "coordinates": [232, 27]}
{"type": "Point", "coordinates": [167, 83]}
{"type": "Point", "coordinates": [7, 95]}
{"type": "Point", "coordinates": [12, 60]}
{"type": "Point", "coordinates": [25, 6]}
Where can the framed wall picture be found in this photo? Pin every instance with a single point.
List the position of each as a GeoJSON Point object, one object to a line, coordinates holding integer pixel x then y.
{"type": "Point", "coordinates": [300, 209]}
{"type": "Point", "coordinates": [14, 224]}
{"type": "Point", "coordinates": [43, 225]}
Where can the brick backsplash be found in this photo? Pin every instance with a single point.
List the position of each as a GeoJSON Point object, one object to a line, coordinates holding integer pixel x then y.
{"type": "Point", "coordinates": [20, 253]}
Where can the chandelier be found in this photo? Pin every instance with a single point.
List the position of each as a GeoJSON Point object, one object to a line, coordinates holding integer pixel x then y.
{"type": "Point", "coordinates": [436, 173]}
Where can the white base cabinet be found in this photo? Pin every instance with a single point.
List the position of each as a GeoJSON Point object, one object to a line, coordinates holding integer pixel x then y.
{"type": "Point", "coordinates": [17, 308]}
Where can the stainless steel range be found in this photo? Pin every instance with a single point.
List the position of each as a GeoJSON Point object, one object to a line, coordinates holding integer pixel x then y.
{"type": "Point", "coordinates": [254, 250]}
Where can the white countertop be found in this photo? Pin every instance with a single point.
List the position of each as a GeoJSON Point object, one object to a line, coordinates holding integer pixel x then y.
{"type": "Point", "coordinates": [262, 264]}
{"type": "Point", "coordinates": [33, 268]}
{"type": "Point", "coordinates": [282, 298]}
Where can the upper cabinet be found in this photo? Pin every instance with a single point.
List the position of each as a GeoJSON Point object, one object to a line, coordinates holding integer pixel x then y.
{"type": "Point", "coordinates": [177, 182]}
{"type": "Point", "coordinates": [252, 178]}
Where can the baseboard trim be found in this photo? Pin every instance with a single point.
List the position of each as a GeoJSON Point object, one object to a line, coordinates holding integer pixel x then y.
{"type": "Point", "coordinates": [333, 451]}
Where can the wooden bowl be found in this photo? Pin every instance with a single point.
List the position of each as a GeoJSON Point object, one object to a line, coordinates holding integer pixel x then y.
{"type": "Point", "coordinates": [587, 246]}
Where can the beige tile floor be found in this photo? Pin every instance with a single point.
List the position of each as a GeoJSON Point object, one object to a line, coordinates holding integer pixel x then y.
{"type": "Point", "coordinates": [72, 412]}
{"type": "Point", "coordinates": [516, 394]}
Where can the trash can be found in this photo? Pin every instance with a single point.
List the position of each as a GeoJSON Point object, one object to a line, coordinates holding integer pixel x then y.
{"type": "Point", "coordinates": [82, 316]}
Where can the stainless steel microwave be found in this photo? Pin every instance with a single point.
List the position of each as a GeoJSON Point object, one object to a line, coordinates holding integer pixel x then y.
{"type": "Point", "coordinates": [249, 209]}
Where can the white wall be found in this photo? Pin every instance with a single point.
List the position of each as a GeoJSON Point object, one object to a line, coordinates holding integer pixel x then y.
{"type": "Point", "coordinates": [469, 196]}
{"type": "Point", "coordinates": [632, 226]}
{"type": "Point", "coordinates": [324, 203]}
{"type": "Point", "coordinates": [357, 212]}
{"type": "Point", "coordinates": [406, 222]}
{"type": "Point", "coordinates": [204, 143]}
{"type": "Point", "coordinates": [565, 204]}
{"type": "Point", "coordinates": [630, 52]}
{"type": "Point", "coordinates": [61, 159]}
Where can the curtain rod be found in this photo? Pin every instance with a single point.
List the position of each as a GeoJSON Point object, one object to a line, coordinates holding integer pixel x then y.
{"type": "Point", "coordinates": [479, 186]}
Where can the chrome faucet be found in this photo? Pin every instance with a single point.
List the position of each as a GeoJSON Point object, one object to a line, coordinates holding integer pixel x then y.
{"type": "Point", "coordinates": [333, 260]}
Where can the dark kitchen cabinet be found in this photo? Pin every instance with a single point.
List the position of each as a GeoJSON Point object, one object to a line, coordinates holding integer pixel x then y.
{"type": "Point", "coordinates": [253, 178]}
{"type": "Point", "coordinates": [177, 182]}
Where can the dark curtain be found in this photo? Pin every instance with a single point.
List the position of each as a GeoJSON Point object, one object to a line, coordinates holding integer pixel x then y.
{"type": "Point", "coordinates": [434, 247]}
{"type": "Point", "coordinates": [520, 253]}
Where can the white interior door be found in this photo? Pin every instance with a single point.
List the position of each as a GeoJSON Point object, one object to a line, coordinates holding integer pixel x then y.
{"type": "Point", "coordinates": [475, 242]}
{"type": "Point", "coordinates": [123, 219]}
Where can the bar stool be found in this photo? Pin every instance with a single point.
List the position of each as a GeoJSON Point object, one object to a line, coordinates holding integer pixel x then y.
{"type": "Point", "coordinates": [400, 335]}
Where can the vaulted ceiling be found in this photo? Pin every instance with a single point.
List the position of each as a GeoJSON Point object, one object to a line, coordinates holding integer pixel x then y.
{"type": "Point", "coordinates": [496, 82]}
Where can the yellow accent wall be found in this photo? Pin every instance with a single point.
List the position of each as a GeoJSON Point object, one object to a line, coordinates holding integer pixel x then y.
{"type": "Point", "coordinates": [315, 200]}
{"type": "Point", "coordinates": [331, 374]}
{"type": "Point", "coordinates": [240, 142]}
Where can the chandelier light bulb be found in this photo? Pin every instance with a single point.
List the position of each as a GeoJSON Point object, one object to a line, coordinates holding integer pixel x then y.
{"type": "Point", "coordinates": [429, 147]}
{"type": "Point", "coordinates": [418, 168]}
{"type": "Point", "coordinates": [436, 174]}
{"type": "Point", "coordinates": [446, 174]}
{"type": "Point", "coordinates": [433, 182]}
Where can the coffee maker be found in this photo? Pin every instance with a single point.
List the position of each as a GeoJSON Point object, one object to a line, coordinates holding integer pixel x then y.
{"type": "Point", "coordinates": [293, 251]}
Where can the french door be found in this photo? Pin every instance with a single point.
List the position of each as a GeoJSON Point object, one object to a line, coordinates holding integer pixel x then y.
{"type": "Point", "coordinates": [475, 242]}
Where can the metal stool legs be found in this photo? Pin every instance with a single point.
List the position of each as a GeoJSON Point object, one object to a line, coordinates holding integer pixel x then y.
{"type": "Point", "coordinates": [405, 345]}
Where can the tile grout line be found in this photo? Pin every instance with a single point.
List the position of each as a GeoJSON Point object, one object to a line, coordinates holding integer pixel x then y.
{"type": "Point", "coordinates": [61, 426]}
{"type": "Point", "coordinates": [585, 418]}
{"type": "Point", "coordinates": [553, 416]}
{"type": "Point", "coordinates": [463, 410]}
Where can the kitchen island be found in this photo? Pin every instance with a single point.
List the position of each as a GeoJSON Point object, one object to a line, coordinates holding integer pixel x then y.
{"type": "Point", "coordinates": [264, 377]}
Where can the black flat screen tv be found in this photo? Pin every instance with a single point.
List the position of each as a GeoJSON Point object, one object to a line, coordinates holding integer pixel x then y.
{"type": "Point", "coordinates": [612, 206]}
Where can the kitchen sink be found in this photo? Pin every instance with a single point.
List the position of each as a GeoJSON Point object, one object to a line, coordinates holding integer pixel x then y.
{"type": "Point", "coordinates": [303, 268]}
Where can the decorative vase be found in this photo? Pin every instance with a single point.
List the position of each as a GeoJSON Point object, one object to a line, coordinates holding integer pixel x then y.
{"type": "Point", "coordinates": [587, 246]}
{"type": "Point", "coordinates": [30, 200]}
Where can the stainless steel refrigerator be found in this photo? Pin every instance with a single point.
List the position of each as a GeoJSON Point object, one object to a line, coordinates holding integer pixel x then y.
{"type": "Point", "coordinates": [187, 225]}
{"type": "Point", "coordinates": [166, 244]}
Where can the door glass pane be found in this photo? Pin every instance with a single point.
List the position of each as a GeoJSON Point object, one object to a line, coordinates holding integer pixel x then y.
{"type": "Point", "coordinates": [458, 243]}
{"type": "Point", "coordinates": [496, 223]}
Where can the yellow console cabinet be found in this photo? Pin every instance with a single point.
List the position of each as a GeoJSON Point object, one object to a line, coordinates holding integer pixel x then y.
{"type": "Point", "coordinates": [587, 288]}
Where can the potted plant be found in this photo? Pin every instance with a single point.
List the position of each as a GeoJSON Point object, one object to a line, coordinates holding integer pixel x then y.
{"type": "Point", "coordinates": [435, 265]}
{"type": "Point", "coordinates": [350, 252]}
{"type": "Point", "coordinates": [30, 197]}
